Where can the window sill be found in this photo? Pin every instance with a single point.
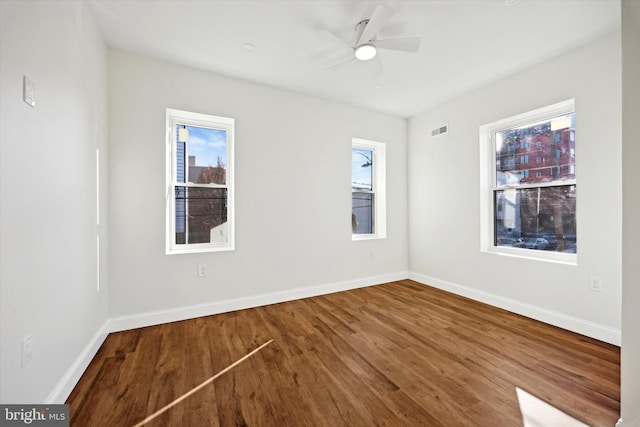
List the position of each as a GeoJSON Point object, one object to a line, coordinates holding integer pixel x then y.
{"type": "Point", "coordinates": [534, 255]}
{"type": "Point", "coordinates": [356, 237]}
{"type": "Point", "coordinates": [199, 250]}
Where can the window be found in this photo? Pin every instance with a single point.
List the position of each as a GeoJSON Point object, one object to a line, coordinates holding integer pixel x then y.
{"type": "Point", "coordinates": [199, 182]}
{"type": "Point", "coordinates": [368, 189]}
{"type": "Point", "coordinates": [530, 208]}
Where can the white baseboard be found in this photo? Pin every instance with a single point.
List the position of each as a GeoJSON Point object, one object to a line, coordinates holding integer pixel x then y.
{"type": "Point", "coordinates": [183, 313]}
{"type": "Point", "coordinates": [564, 321]}
{"type": "Point", "coordinates": [69, 380]}
{"type": "Point", "coordinates": [65, 386]}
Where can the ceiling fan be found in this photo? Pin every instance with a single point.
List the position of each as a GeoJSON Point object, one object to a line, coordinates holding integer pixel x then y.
{"type": "Point", "coordinates": [365, 44]}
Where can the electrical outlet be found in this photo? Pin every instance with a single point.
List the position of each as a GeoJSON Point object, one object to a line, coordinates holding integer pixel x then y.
{"type": "Point", "coordinates": [595, 284]}
{"type": "Point", "coordinates": [202, 270]}
{"type": "Point", "coordinates": [27, 350]}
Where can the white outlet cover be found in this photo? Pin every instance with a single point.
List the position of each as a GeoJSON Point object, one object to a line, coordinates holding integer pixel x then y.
{"type": "Point", "coordinates": [202, 270]}
{"type": "Point", "coordinates": [595, 284]}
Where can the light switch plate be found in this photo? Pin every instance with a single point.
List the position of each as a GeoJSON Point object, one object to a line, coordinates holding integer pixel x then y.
{"type": "Point", "coordinates": [27, 350]}
{"type": "Point", "coordinates": [29, 91]}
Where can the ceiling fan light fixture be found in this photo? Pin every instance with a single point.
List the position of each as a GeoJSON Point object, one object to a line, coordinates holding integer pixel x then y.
{"type": "Point", "coordinates": [366, 51]}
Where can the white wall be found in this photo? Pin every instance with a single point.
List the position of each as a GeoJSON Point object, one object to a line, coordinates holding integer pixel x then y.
{"type": "Point", "coordinates": [293, 196]}
{"type": "Point", "coordinates": [444, 198]}
{"type": "Point", "coordinates": [48, 194]}
{"type": "Point", "coordinates": [630, 366]}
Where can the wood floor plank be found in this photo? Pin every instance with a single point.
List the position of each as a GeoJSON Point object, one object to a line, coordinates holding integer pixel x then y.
{"type": "Point", "coordinates": [398, 354]}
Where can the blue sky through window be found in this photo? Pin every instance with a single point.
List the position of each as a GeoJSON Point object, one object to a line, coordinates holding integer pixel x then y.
{"type": "Point", "coordinates": [361, 169]}
{"type": "Point", "coordinates": [207, 145]}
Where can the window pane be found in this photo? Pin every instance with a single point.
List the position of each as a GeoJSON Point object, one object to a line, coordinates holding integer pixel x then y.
{"type": "Point", "coordinates": [201, 155]}
{"type": "Point", "coordinates": [181, 165]}
{"type": "Point", "coordinates": [181, 215]}
{"type": "Point", "coordinates": [537, 152]}
{"type": "Point", "coordinates": [536, 218]}
{"type": "Point", "coordinates": [362, 213]}
{"type": "Point", "coordinates": [361, 169]}
{"type": "Point", "coordinates": [201, 215]}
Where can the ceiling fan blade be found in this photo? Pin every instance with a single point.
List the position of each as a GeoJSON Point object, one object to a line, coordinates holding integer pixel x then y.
{"type": "Point", "coordinates": [406, 45]}
{"type": "Point", "coordinates": [340, 65]}
{"type": "Point", "coordinates": [380, 17]}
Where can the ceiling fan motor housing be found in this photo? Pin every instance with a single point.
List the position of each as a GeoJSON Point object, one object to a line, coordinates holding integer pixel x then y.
{"type": "Point", "coordinates": [364, 51]}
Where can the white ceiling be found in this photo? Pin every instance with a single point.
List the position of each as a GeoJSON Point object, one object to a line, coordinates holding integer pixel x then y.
{"type": "Point", "coordinates": [465, 43]}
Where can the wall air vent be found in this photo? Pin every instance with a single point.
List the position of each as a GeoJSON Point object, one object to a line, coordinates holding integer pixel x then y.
{"type": "Point", "coordinates": [440, 130]}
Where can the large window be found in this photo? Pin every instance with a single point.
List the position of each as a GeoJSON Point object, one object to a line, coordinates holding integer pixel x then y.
{"type": "Point", "coordinates": [368, 189]}
{"type": "Point", "coordinates": [529, 184]}
{"type": "Point", "coordinates": [199, 182]}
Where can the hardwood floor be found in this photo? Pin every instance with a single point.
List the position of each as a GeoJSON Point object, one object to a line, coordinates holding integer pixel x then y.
{"type": "Point", "coordinates": [395, 354]}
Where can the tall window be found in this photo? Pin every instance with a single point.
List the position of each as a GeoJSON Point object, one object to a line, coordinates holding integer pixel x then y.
{"type": "Point", "coordinates": [530, 204]}
{"type": "Point", "coordinates": [368, 189]}
{"type": "Point", "coordinates": [200, 182]}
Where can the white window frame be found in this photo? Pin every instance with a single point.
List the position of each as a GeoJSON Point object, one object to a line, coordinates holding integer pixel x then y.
{"type": "Point", "coordinates": [379, 187]}
{"type": "Point", "coordinates": [173, 118]}
{"type": "Point", "coordinates": [488, 183]}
